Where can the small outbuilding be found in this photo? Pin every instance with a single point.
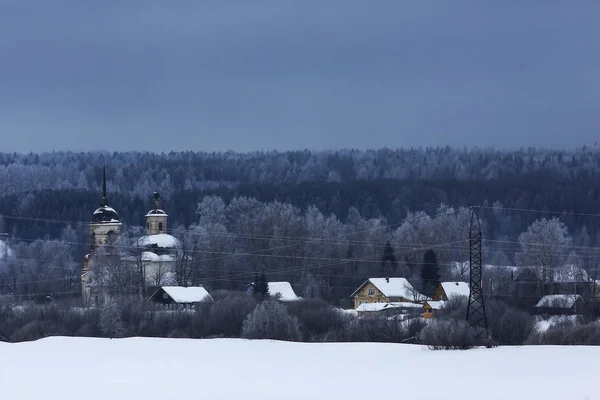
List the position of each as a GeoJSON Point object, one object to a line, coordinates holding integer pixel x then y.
{"type": "Point", "coordinates": [180, 296]}
{"type": "Point", "coordinates": [430, 307]}
{"type": "Point", "coordinates": [560, 304]}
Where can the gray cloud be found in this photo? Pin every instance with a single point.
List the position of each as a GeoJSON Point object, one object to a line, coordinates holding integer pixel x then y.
{"type": "Point", "coordinates": [217, 75]}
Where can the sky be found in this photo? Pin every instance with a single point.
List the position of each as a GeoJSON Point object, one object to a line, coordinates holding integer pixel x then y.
{"type": "Point", "coordinates": [217, 75]}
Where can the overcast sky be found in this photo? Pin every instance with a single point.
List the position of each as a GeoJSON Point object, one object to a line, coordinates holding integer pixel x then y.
{"type": "Point", "coordinates": [277, 74]}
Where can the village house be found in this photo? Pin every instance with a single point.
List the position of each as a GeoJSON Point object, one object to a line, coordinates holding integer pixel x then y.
{"type": "Point", "coordinates": [386, 290]}
{"type": "Point", "coordinates": [180, 297]}
{"type": "Point", "coordinates": [446, 290]}
{"type": "Point", "coordinates": [560, 304]}
{"type": "Point", "coordinates": [282, 290]}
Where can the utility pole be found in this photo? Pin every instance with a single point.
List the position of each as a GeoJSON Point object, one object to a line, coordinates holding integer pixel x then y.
{"type": "Point", "coordinates": [476, 315]}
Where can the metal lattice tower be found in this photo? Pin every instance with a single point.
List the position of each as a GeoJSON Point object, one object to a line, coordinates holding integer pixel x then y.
{"type": "Point", "coordinates": [476, 316]}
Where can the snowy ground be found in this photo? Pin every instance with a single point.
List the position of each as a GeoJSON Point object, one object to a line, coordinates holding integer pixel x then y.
{"type": "Point", "coordinates": [93, 369]}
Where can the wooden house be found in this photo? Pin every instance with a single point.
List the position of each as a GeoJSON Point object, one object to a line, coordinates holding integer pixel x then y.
{"type": "Point", "coordinates": [446, 290]}
{"type": "Point", "coordinates": [386, 290]}
{"type": "Point", "coordinates": [179, 296]}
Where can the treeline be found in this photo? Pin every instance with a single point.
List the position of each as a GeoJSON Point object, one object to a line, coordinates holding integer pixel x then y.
{"type": "Point", "coordinates": [240, 315]}
{"type": "Point", "coordinates": [135, 171]}
{"type": "Point", "coordinates": [40, 213]}
{"type": "Point", "coordinates": [36, 190]}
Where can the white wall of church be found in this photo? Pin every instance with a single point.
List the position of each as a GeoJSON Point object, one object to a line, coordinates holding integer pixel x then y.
{"type": "Point", "coordinates": [103, 231]}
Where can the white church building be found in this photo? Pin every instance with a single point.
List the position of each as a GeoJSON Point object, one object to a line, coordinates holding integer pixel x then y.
{"type": "Point", "coordinates": [108, 266]}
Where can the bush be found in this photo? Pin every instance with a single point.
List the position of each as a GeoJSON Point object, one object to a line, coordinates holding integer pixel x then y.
{"type": "Point", "coordinates": [228, 314]}
{"type": "Point", "coordinates": [447, 334]}
{"type": "Point", "coordinates": [455, 308]}
{"type": "Point", "coordinates": [384, 329]}
{"type": "Point", "coordinates": [569, 334]}
{"type": "Point", "coordinates": [111, 323]}
{"type": "Point", "coordinates": [270, 320]}
{"type": "Point", "coordinates": [318, 320]}
{"type": "Point", "coordinates": [507, 325]}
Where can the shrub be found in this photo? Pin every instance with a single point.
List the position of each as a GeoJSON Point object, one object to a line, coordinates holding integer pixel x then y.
{"type": "Point", "coordinates": [569, 334]}
{"type": "Point", "coordinates": [111, 323]}
{"type": "Point", "coordinates": [507, 325]}
{"type": "Point", "coordinates": [447, 334]}
{"type": "Point", "coordinates": [229, 312]}
{"type": "Point", "coordinates": [318, 320]}
{"type": "Point", "coordinates": [270, 320]}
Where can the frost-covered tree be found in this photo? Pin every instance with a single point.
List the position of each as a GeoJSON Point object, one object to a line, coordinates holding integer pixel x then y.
{"type": "Point", "coordinates": [110, 322]}
{"type": "Point", "coordinates": [543, 248]}
{"type": "Point", "coordinates": [271, 320]}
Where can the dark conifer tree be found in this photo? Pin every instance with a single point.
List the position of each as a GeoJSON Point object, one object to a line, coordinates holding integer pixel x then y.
{"type": "Point", "coordinates": [261, 286]}
{"type": "Point", "coordinates": [388, 260]}
{"type": "Point", "coordinates": [430, 273]}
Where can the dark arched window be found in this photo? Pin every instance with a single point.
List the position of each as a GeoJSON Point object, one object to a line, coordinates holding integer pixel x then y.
{"type": "Point", "coordinates": [160, 226]}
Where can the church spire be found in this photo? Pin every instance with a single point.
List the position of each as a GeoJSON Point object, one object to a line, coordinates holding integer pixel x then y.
{"type": "Point", "coordinates": [104, 200]}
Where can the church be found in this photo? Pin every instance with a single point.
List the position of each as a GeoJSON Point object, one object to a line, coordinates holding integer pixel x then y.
{"type": "Point", "coordinates": [112, 268]}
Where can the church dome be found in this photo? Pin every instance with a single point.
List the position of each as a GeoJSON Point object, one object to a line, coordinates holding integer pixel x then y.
{"type": "Point", "coordinates": [105, 214]}
{"type": "Point", "coordinates": [156, 211]}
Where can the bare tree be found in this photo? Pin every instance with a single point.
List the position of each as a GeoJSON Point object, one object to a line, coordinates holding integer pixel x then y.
{"type": "Point", "coordinates": [543, 248]}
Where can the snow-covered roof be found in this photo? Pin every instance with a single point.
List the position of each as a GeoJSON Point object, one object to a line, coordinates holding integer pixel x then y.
{"type": "Point", "coordinates": [435, 305]}
{"type": "Point", "coordinates": [558, 301]}
{"type": "Point", "coordinates": [284, 289]}
{"type": "Point", "coordinates": [150, 256]}
{"type": "Point", "coordinates": [456, 289]}
{"type": "Point", "coordinates": [156, 211]}
{"type": "Point", "coordinates": [192, 294]}
{"type": "Point", "coordinates": [375, 307]}
{"type": "Point", "coordinates": [569, 274]}
{"type": "Point", "coordinates": [394, 287]}
{"type": "Point", "coordinates": [162, 240]}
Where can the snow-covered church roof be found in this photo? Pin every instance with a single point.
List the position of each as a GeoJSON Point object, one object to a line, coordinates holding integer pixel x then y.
{"type": "Point", "coordinates": [161, 241]}
{"type": "Point", "coordinates": [105, 214]}
{"type": "Point", "coordinates": [156, 211]}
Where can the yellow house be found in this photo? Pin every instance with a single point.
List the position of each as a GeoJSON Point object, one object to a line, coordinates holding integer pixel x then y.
{"type": "Point", "coordinates": [386, 290]}
{"type": "Point", "coordinates": [430, 307]}
{"type": "Point", "coordinates": [445, 290]}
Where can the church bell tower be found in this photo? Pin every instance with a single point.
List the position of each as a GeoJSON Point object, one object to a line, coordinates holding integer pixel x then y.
{"type": "Point", "coordinates": [156, 219]}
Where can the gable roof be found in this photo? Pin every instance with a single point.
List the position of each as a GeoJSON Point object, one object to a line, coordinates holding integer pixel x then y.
{"type": "Point", "coordinates": [558, 301]}
{"type": "Point", "coordinates": [374, 307]}
{"type": "Point", "coordinates": [393, 287]}
{"type": "Point", "coordinates": [192, 294]}
{"type": "Point", "coordinates": [435, 305]}
{"type": "Point", "coordinates": [284, 289]}
{"type": "Point", "coordinates": [456, 289]}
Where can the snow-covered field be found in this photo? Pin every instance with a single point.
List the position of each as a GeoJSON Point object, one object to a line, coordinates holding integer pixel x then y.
{"type": "Point", "coordinates": [176, 369]}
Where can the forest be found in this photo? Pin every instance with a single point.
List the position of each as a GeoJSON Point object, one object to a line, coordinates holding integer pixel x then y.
{"type": "Point", "coordinates": [323, 220]}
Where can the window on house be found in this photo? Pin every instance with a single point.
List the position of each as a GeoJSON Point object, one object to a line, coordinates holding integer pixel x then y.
{"type": "Point", "coordinates": [371, 291]}
{"type": "Point", "coordinates": [165, 296]}
{"type": "Point", "coordinates": [148, 225]}
{"type": "Point", "coordinates": [160, 226]}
